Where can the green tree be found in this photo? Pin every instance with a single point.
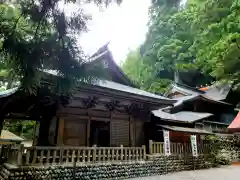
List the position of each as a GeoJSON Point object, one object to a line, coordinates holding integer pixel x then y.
{"type": "Point", "coordinates": [217, 44]}
{"type": "Point", "coordinates": [140, 71]}
{"type": "Point", "coordinates": [203, 35]}
{"type": "Point", "coordinates": [38, 35]}
{"type": "Point", "coordinates": [22, 128]}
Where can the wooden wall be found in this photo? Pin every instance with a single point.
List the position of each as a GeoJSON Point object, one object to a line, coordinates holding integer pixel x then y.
{"type": "Point", "coordinates": [119, 133]}
{"type": "Point", "coordinates": [124, 129]}
{"type": "Point", "coordinates": [74, 132]}
{"type": "Point", "coordinates": [181, 137]}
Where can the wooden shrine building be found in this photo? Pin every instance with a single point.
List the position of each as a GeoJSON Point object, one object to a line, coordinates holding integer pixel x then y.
{"type": "Point", "coordinates": [111, 112]}
{"type": "Point", "coordinates": [195, 112]}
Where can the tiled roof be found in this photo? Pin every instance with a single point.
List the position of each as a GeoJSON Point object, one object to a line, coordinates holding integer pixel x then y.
{"type": "Point", "coordinates": [123, 88]}
{"type": "Point", "coordinates": [128, 89]}
{"type": "Point", "coordinates": [9, 136]}
{"type": "Point", "coordinates": [186, 130]}
{"type": "Point", "coordinates": [182, 116]}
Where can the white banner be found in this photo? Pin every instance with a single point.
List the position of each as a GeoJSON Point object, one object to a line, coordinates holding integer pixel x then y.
{"type": "Point", "coordinates": [194, 145]}
{"type": "Point", "coordinates": [167, 150]}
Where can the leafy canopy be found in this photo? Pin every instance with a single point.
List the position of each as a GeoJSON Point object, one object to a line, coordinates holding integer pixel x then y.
{"type": "Point", "coordinates": [36, 36]}
{"type": "Point", "coordinates": [203, 35]}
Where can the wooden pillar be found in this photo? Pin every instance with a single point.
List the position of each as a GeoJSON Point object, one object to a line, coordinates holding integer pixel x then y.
{"type": "Point", "coordinates": [60, 132]}
{"type": "Point", "coordinates": [88, 129]}
{"type": "Point", "coordinates": [110, 130]}
{"type": "Point", "coordinates": [130, 131]}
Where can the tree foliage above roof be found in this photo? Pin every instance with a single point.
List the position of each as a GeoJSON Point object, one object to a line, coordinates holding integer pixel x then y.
{"type": "Point", "coordinates": [39, 35]}
{"type": "Point", "coordinates": [203, 36]}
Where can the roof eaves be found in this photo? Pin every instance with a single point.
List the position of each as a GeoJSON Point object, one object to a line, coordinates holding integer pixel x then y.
{"type": "Point", "coordinates": [164, 100]}
{"type": "Point", "coordinates": [185, 130]}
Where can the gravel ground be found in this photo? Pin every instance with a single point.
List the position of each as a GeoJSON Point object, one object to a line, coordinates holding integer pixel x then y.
{"type": "Point", "coordinates": [223, 173]}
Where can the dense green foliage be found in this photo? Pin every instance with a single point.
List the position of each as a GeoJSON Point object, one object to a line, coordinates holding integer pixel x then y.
{"type": "Point", "coordinates": [22, 128]}
{"type": "Point", "coordinates": [223, 148]}
{"type": "Point", "coordinates": [36, 36]}
{"type": "Point", "coordinates": [140, 72]}
{"type": "Point", "coordinates": [204, 35]}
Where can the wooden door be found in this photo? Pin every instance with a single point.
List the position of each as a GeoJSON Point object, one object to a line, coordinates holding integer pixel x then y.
{"type": "Point", "coordinates": [74, 132]}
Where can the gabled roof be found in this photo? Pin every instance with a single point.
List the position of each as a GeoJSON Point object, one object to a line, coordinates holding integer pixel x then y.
{"type": "Point", "coordinates": [183, 90]}
{"type": "Point", "coordinates": [183, 99]}
{"type": "Point", "coordinates": [121, 88]}
{"type": "Point", "coordinates": [218, 92]}
{"type": "Point", "coordinates": [185, 116]}
{"type": "Point", "coordinates": [104, 54]}
{"type": "Point", "coordinates": [213, 92]}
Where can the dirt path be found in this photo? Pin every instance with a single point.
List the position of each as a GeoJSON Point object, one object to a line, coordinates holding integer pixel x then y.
{"type": "Point", "coordinates": [223, 173]}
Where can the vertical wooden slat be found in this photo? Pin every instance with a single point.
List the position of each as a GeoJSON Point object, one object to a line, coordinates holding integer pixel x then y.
{"type": "Point", "coordinates": [41, 156]}
{"type": "Point", "coordinates": [108, 154]}
{"type": "Point", "coordinates": [104, 154]}
{"type": "Point", "coordinates": [84, 155]}
{"type": "Point", "coordinates": [125, 153]}
{"type": "Point", "coordinates": [94, 153]}
{"type": "Point", "coordinates": [130, 154]}
{"type": "Point", "coordinates": [48, 156]}
{"type": "Point", "coordinates": [34, 156]}
{"type": "Point", "coordinates": [141, 154]}
{"type": "Point", "coordinates": [113, 154]}
{"type": "Point", "coordinates": [27, 157]}
{"type": "Point", "coordinates": [117, 154]}
{"type": "Point", "coordinates": [99, 155]}
{"type": "Point", "coordinates": [88, 155]}
{"type": "Point", "coordinates": [79, 155]}
{"type": "Point", "coordinates": [73, 155]}
{"type": "Point", "coordinates": [150, 147]}
{"type": "Point", "coordinates": [121, 151]}
{"type": "Point", "coordinates": [61, 155]}
{"type": "Point", "coordinates": [137, 153]}
{"type": "Point", "coordinates": [54, 156]}
{"type": "Point", "coordinates": [144, 152]}
{"type": "Point", "coordinates": [67, 156]}
{"type": "Point", "coordinates": [20, 155]}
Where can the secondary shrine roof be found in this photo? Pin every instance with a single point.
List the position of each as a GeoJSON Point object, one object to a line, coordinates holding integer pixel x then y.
{"type": "Point", "coordinates": [185, 130]}
{"type": "Point", "coordinates": [8, 136]}
{"type": "Point", "coordinates": [182, 116]}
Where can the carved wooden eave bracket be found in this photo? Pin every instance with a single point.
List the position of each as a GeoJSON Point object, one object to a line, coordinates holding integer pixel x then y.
{"type": "Point", "coordinates": [111, 106]}
{"type": "Point", "coordinates": [90, 102]}
{"type": "Point", "coordinates": [132, 108]}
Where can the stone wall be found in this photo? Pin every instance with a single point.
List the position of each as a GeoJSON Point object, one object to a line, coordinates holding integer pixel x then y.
{"type": "Point", "coordinates": [155, 166]}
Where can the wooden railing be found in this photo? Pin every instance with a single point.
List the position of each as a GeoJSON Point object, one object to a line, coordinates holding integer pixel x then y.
{"type": "Point", "coordinates": [37, 155]}
{"type": "Point", "coordinates": [157, 148]}
{"type": "Point", "coordinates": [65, 155]}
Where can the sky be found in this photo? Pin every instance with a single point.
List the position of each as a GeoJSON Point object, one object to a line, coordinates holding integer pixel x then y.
{"type": "Point", "coordinates": [123, 26]}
